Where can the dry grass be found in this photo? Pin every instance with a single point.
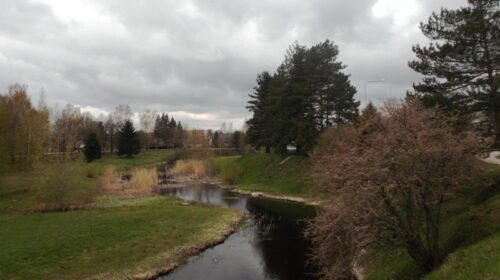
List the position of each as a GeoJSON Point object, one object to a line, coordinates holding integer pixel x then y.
{"type": "Point", "coordinates": [143, 181]}
{"type": "Point", "coordinates": [192, 167]}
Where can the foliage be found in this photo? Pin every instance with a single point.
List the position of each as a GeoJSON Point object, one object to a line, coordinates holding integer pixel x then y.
{"type": "Point", "coordinates": [128, 140]}
{"type": "Point", "coordinates": [307, 93]}
{"type": "Point", "coordinates": [394, 172]}
{"type": "Point", "coordinates": [92, 149]}
{"type": "Point", "coordinates": [167, 132]}
{"type": "Point", "coordinates": [24, 130]}
{"type": "Point", "coordinates": [462, 65]}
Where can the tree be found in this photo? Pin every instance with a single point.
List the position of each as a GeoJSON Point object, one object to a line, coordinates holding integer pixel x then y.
{"type": "Point", "coordinates": [92, 149]}
{"type": "Point", "coordinates": [388, 178]}
{"type": "Point", "coordinates": [111, 128]}
{"type": "Point", "coordinates": [128, 140]}
{"type": "Point", "coordinates": [260, 126]}
{"type": "Point", "coordinates": [236, 139]}
{"type": "Point", "coordinates": [307, 93]}
{"type": "Point", "coordinates": [462, 64]}
{"type": "Point", "coordinates": [24, 130]}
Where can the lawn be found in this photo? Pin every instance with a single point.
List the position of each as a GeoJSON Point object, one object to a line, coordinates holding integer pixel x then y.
{"type": "Point", "coordinates": [114, 241]}
{"type": "Point", "coordinates": [112, 238]}
{"type": "Point", "coordinates": [262, 172]}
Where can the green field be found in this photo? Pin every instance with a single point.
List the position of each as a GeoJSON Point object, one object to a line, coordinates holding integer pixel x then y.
{"type": "Point", "coordinates": [113, 238]}
{"type": "Point", "coordinates": [262, 172]}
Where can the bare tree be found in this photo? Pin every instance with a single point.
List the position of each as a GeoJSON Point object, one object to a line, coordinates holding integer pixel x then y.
{"type": "Point", "coordinates": [388, 177]}
{"type": "Point", "coordinates": [147, 119]}
{"type": "Point", "coordinates": [122, 114]}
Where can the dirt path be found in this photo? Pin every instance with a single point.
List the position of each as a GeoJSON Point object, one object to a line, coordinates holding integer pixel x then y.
{"type": "Point", "coordinates": [492, 158]}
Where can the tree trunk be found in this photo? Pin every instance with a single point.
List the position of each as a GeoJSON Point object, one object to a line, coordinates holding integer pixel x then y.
{"type": "Point", "coordinates": [268, 149]}
{"type": "Point", "coordinates": [496, 123]}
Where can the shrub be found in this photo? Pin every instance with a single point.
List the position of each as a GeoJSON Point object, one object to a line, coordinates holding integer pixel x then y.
{"type": "Point", "coordinates": [62, 188]}
{"type": "Point", "coordinates": [231, 174]}
{"type": "Point", "coordinates": [192, 167]}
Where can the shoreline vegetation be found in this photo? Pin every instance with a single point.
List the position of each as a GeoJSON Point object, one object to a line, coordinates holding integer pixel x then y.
{"type": "Point", "coordinates": [127, 224]}
{"type": "Point", "coordinates": [133, 234]}
{"type": "Point", "coordinates": [470, 230]}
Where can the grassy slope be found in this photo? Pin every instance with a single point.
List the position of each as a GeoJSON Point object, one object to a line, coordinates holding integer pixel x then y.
{"type": "Point", "coordinates": [470, 233]}
{"type": "Point", "coordinates": [262, 172]}
{"type": "Point", "coordinates": [113, 238]}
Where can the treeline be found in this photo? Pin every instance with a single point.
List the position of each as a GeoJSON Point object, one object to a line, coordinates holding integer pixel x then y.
{"type": "Point", "coordinates": [306, 94]}
{"type": "Point", "coordinates": [223, 138]}
{"type": "Point", "coordinates": [28, 132]}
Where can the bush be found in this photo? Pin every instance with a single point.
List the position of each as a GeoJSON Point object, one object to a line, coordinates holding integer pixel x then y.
{"type": "Point", "coordinates": [63, 189]}
{"type": "Point", "coordinates": [192, 167]}
{"type": "Point", "coordinates": [231, 174]}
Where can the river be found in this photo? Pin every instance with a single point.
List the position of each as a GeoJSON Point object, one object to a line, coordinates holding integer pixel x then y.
{"type": "Point", "coordinates": [269, 245]}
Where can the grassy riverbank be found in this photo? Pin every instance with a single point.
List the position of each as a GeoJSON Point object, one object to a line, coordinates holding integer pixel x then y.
{"type": "Point", "coordinates": [470, 234]}
{"type": "Point", "coordinates": [111, 237]}
{"type": "Point", "coordinates": [268, 173]}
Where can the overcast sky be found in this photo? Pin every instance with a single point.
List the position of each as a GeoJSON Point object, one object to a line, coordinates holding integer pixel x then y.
{"type": "Point", "coordinates": [198, 60]}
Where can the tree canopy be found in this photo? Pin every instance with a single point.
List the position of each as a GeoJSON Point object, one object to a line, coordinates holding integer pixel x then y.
{"type": "Point", "coordinates": [307, 93]}
{"type": "Point", "coordinates": [128, 140]}
{"type": "Point", "coordinates": [461, 64]}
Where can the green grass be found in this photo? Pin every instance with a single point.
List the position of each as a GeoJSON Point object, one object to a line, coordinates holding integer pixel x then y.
{"type": "Point", "coordinates": [113, 238]}
{"type": "Point", "coordinates": [20, 190]}
{"type": "Point", "coordinates": [470, 233]}
{"type": "Point", "coordinates": [263, 173]}
{"type": "Point", "coordinates": [112, 241]}
{"type": "Point", "coordinates": [480, 260]}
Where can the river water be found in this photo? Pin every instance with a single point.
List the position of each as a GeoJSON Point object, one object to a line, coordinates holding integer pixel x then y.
{"type": "Point", "coordinates": [270, 245]}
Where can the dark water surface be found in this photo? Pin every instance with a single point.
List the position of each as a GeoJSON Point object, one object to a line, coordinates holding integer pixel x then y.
{"type": "Point", "coordinates": [268, 246]}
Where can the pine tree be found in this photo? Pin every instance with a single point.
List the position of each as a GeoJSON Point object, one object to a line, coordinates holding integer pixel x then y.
{"type": "Point", "coordinates": [92, 149]}
{"type": "Point", "coordinates": [260, 127]}
{"type": "Point", "coordinates": [128, 140]}
{"type": "Point", "coordinates": [307, 93]}
{"type": "Point", "coordinates": [461, 67]}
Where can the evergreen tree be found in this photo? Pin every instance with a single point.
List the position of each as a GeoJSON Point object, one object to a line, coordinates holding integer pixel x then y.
{"type": "Point", "coordinates": [128, 140]}
{"type": "Point", "coordinates": [260, 127]}
{"type": "Point", "coordinates": [461, 66]}
{"type": "Point", "coordinates": [92, 149]}
{"type": "Point", "coordinates": [307, 93]}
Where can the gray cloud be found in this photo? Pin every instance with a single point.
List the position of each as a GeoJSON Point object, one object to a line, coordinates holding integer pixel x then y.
{"type": "Point", "coordinates": [198, 58]}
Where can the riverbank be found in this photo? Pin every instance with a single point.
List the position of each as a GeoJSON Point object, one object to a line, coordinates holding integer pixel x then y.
{"type": "Point", "coordinates": [266, 175]}
{"type": "Point", "coordinates": [109, 238]}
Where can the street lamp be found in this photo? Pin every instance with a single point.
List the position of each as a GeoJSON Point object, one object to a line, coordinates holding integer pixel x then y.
{"type": "Point", "coordinates": [374, 81]}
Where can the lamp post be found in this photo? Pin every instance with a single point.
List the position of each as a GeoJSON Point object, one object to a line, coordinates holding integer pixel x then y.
{"type": "Point", "coordinates": [370, 82]}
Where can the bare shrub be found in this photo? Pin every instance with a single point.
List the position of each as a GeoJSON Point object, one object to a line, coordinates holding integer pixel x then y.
{"type": "Point", "coordinates": [192, 167]}
{"type": "Point", "coordinates": [110, 181]}
{"type": "Point", "coordinates": [388, 177]}
{"type": "Point", "coordinates": [63, 188]}
{"type": "Point", "coordinates": [143, 182]}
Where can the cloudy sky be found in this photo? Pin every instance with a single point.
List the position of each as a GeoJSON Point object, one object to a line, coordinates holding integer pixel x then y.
{"type": "Point", "coordinates": [197, 59]}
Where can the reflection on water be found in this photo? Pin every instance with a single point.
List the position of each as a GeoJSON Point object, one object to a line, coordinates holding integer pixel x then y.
{"type": "Point", "coordinates": [269, 246]}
